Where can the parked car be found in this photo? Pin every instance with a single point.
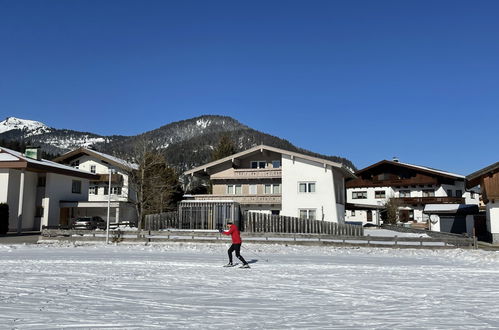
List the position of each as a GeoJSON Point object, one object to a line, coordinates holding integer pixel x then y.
{"type": "Point", "coordinates": [89, 223]}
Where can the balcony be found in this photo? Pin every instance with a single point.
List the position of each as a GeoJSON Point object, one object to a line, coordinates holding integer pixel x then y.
{"type": "Point", "coordinates": [430, 200]}
{"type": "Point", "coordinates": [243, 199]}
{"type": "Point", "coordinates": [251, 173]}
{"type": "Point", "coordinates": [115, 178]}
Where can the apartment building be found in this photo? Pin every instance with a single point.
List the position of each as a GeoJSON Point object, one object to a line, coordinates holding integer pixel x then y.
{"type": "Point", "coordinates": [112, 184]}
{"type": "Point", "coordinates": [419, 191]}
{"type": "Point", "coordinates": [276, 181]}
{"type": "Point", "coordinates": [488, 180]}
{"type": "Point", "coordinates": [36, 189]}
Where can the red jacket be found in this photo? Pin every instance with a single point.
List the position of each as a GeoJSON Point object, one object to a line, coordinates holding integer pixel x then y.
{"type": "Point", "coordinates": [234, 232]}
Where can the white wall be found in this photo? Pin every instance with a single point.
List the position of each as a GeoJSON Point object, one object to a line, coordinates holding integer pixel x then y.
{"type": "Point", "coordinates": [86, 162]}
{"type": "Point", "coordinates": [58, 188]}
{"type": "Point", "coordinates": [493, 220]}
{"type": "Point", "coordinates": [323, 200]}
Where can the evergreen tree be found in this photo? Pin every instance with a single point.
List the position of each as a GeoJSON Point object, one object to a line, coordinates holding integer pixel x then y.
{"type": "Point", "coordinates": [225, 148]}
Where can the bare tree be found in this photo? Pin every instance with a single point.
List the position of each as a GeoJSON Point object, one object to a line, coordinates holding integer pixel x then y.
{"type": "Point", "coordinates": [155, 184]}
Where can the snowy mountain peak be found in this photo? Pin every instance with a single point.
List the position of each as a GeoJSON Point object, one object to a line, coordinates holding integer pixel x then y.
{"type": "Point", "coordinates": [31, 127]}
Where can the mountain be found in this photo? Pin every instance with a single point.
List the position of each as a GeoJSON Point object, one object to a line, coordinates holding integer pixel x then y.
{"type": "Point", "coordinates": [31, 127]}
{"type": "Point", "coordinates": [185, 143]}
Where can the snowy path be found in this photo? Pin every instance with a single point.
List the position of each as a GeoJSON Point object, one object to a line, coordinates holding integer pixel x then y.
{"type": "Point", "coordinates": [179, 286]}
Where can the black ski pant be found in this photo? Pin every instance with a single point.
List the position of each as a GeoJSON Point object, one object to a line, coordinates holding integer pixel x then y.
{"type": "Point", "coordinates": [237, 248]}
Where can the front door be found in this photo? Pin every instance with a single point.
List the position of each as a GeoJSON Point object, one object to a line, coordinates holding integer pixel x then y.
{"type": "Point", "coordinates": [64, 216]}
{"type": "Point", "coordinates": [369, 216]}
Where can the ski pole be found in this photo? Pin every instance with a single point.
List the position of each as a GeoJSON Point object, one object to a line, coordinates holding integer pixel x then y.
{"type": "Point", "coordinates": [258, 255]}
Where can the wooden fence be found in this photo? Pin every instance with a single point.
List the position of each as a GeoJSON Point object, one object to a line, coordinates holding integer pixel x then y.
{"type": "Point", "coordinates": [257, 223]}
{"type": "Point", "coordinates": [266, 223]}
{"type": "Point", "coordinates": [161, 221]}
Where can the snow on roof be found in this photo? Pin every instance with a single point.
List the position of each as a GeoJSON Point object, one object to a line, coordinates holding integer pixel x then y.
{"type": "Point", "coordinates": [115, 159]}
{"type": "Point", "coordinates": [448, 208]}
{"type": "Point", "coordinates": [43, 162]}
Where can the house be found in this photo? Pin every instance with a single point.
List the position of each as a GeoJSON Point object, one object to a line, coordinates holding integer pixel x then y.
{"type": "Point", "coordinates": [112, 174]}
{"type": "Point", "coordinates": [280, 182]}
{"type": "Point", "coordinates": [35, 189]}
{"type": "Point", "coordinates": [488, 180]}
{"type": "Point", "coordinates": [419, 192]}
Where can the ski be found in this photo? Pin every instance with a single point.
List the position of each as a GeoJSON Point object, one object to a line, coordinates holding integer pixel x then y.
{"type": "Point", "coordinates": [229, 265]}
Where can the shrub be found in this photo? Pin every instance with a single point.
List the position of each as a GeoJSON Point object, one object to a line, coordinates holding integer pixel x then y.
{"type": "Point", "coordinates": [4, 218]}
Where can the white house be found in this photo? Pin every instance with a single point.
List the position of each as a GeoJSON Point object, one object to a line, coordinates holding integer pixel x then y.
{"type": "Point", "coordinates": [106, 167]}
{"type": "Point", "coordinates": [276, 181]}
{"type": "Point", "coordinates": [420, 192]}
{"type": "Point", "coordinates": [488, 180]}
{"type": "Point", "coordinates": [35, 189]}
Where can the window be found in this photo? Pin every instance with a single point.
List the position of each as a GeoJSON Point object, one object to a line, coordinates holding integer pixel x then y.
{"type": "Point", "coordinates": [276, 164]}
{"type": "Point", "coordinates": [307, 214]}
{"type": "Point", "coordinates": [234, 189]}
{"type": "Point", "coordinates": [93, 190]}
{"type": "Point", "coordinates": [116, 190]}
{"type": "Point", "coordinates": [92, 168]}
{"type": "Point", "coordinates": [352, 213]}
{"type": "Point", "coordinates": [274, 188]}
{"type": "Point", "coordinates": [306, 187]}
{"type": "Point", "coordinates": [404, 193]}
{"type": "Point", "coordinates": [428, 193]}
{"type": "Point", "coordinates": [253, 189]}
{"type": "Point", "coordinates": [380, 194]}
{"type": "Point", "coordinates": [459, 193]}
{"type": "Point", "coordinates": [75, 164]}
{"type": "Point", "coordinates": [359, 194]}
{"type": "Point", "coordinates": [449, 192]}
{"type": "Point", "coordinates": [76, 187]}
{"type": "Point", "coordinates": [258, 164]}
{"type": "Point", "coordinates": [472, 194]}
{"type": "Point", "coordinates": [106, 190]}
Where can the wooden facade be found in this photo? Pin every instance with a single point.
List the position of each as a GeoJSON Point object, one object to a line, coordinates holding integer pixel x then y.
{"type": "Point", "coordinates": [488, 179]}
{"type": "Point", "coordinates": [393, 174]}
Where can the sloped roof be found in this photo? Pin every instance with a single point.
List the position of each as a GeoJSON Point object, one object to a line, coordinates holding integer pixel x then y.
{"type": "Point", "coordinates": [474, 178]}
{"type": "Point", "coordinates": [14, 159]}
{"type": "Point", "coordinates": [118, 162]}
{"type": "Point", "coordinates": [414, 167]}
{"type": "Point", "coordinates": [346, 171]}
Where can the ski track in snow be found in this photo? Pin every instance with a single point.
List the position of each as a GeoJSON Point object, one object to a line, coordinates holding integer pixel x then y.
{"type": "Point", "coordinates": [184, 286]}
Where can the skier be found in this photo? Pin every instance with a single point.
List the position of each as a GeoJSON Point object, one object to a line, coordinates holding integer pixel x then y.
{"type": "Point", "coordinates": [236, 244]}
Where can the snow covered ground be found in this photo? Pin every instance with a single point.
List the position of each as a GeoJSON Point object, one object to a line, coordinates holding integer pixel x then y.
{"type": "Point", "coordinates": [183, 286]}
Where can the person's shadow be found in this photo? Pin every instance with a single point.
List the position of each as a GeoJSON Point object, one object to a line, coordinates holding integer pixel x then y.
{"type": "Point", "coordinates": [252, 261]}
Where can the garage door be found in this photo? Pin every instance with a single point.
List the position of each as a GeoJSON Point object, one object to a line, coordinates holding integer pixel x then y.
{"type": "Point", "coordinates": [453, 224]}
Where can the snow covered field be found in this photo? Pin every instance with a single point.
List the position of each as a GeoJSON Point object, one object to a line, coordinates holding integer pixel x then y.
{"type": "Point", "coordinates": [183, 286]}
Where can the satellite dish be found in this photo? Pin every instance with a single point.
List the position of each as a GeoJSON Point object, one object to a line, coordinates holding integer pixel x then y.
{"type": "Point", "coordinates": [434, 218]}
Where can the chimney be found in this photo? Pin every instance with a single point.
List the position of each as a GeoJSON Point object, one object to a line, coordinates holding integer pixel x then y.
{"type": "Point", "coordinates": [33, 153]}
{"type": "Point", "coordinates": [395, 159]}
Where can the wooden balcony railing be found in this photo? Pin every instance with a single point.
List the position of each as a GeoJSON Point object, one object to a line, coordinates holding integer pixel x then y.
{"type": "Point", "coordinates": [250, 173]}
{"type": "Point", "coordinates": [244, 199]}
{"type": "Point", "coordinates": [430, 200]}
{"type": "Point", "coordinates": [115, 178]}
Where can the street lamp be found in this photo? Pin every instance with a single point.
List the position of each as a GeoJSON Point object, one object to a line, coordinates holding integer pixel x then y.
{"type": "Point", "coordinates": [111, 172]}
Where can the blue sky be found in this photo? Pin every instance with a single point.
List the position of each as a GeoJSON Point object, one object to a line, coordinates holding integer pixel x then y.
{"type": "Point", "coordinates": [366, 80]}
